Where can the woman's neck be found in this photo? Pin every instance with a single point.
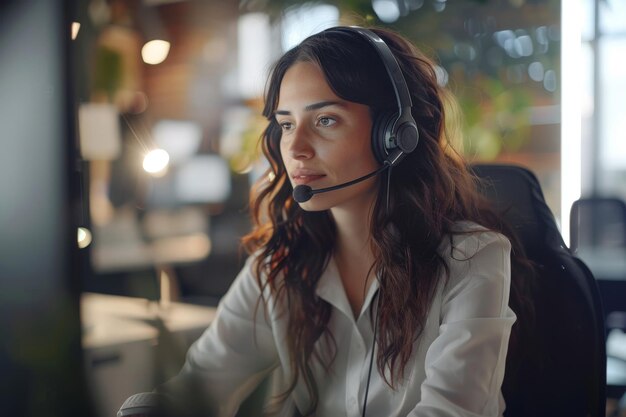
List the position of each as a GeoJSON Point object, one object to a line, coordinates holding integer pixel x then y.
{"type": "Point", "coordinates": [353, 254]}
{"type": "Point", "coordinates": [353, 230]}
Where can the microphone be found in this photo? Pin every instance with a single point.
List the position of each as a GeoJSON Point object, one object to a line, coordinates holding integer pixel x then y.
{"type": "Point", "coordinates": [303, 193]}
{"type": "Point", "coordinates": [141, 404]}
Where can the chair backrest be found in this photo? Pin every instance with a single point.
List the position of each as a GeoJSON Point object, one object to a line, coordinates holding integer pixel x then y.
{"type": "Point", "coordinates": [598, 222]}
{"type": "Point", "coordinates": [598, 237]}
{"type": "Point", "coordinates": [563, 363]}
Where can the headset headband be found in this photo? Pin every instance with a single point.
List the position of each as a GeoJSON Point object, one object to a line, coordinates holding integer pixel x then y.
{"type": "Point", "coordinates": [400, 88]}
{"type": "Point", "coordinates": [399, 130]}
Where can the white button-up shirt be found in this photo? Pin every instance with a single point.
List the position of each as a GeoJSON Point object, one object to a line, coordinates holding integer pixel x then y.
{"type": "Point", "coordinates": [456, 369]}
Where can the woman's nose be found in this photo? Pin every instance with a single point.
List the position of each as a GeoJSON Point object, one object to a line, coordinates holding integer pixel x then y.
{"type": "Point", "coordinates": [300, 146]}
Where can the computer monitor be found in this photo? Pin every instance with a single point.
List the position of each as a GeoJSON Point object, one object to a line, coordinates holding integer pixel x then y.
{"type": "Point", "coordinates": [41, 366]}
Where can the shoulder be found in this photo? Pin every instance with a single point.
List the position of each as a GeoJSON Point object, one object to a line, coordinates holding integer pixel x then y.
{"type": "Point", "coordinates": [476, 255]}
{"type": "Point", "coordinates": [468, 239]}
{"type": "Point", "coordinates": [249, 297]}
{"type": "Point", "coordinates": [245, 286]}
{"type": "Point", "coordinates": [252, 283]}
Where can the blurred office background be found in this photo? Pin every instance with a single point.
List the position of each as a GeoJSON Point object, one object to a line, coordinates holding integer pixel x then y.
{"type": "Point", "coordinates": [169, 94]}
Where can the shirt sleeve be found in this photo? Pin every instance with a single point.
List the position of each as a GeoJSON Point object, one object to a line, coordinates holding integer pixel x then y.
{"type": "Point", "coordinates": [465, 363]}
{"type": "Point", "coordinates": [237, 350]}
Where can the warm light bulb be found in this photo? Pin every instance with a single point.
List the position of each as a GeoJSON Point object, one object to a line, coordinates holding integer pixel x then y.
{"type": "Point", "coordinates": [75, 29]}
{"type": "Point", "coordinates": [155, 162]}
{"type": "Point", "coordinates": [154, 52]}
{"type": "Point", "coordinates": [84, 237]}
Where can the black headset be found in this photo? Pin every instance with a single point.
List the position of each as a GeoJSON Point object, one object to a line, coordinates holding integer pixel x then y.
{"type": "Point", "coordinates": [394, 132]}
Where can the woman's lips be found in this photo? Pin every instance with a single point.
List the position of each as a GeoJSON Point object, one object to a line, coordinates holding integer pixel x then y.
{"type": "Point", "coordinates": [303, 177]}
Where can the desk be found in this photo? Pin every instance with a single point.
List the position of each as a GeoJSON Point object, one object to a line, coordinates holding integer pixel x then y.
{"type": "Point", "coordinates": [164, 237]}
{"type": "Point", "coordinates": [121, 343]}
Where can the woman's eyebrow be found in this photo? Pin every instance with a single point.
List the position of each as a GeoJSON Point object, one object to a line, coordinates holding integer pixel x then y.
{"type": "Point", "coordinates": [310, 107]}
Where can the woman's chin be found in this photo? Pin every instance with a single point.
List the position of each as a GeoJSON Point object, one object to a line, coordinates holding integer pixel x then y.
{"type": "Point", "coordinates": [312, 205]}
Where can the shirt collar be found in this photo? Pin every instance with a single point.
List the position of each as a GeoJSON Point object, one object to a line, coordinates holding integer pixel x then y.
{"type": "Point", "coordinates": [330, 289]}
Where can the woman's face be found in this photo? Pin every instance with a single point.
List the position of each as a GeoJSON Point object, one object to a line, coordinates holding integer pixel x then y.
{"type": "Point", "coordinates": [325, 139]}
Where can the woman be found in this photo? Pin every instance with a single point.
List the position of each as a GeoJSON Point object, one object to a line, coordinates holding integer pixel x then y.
{"type": "Point", "coordinates": [406, 269]}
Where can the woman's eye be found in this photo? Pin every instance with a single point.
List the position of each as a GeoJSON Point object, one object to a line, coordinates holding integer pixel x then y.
{"type": "Point", "coordinates": [286, 125]}
{"type": "Point", "coordinates": [326, 121]}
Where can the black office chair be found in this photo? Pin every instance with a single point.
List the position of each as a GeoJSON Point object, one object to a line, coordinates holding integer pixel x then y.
{"type": "Point", "coordinates": [598, 237]}
{"type": "Point", "coordinates": [598, 222]}
{"type": "Point", "coordinates": [562, 368]}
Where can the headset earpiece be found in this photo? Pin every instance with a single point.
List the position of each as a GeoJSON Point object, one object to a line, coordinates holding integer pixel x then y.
{"type": "Point", "coordinates": [386, 137]}
{"type": "Point", "coordinates": [407, 136]}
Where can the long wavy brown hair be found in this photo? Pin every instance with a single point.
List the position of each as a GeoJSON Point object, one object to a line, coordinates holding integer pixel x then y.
{"type": "Point", "coordinates": [430, 190]}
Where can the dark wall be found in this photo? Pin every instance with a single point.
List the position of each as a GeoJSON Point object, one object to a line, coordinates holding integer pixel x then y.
{"type": "Point", "coordinates": [40, 355]}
